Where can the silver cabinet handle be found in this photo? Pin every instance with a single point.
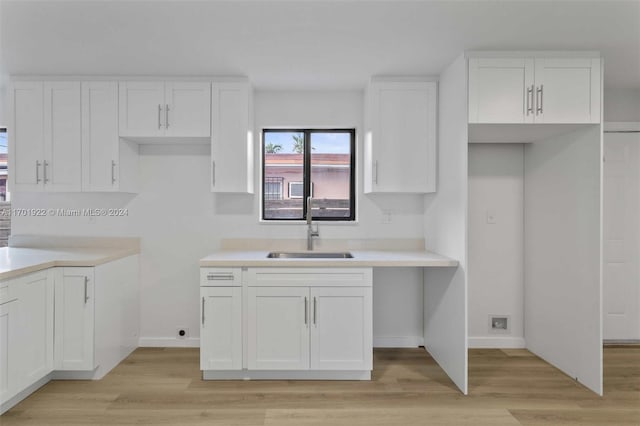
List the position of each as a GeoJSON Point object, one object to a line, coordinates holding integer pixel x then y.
{"type": "Point", "coordinates": [213, 173]}
{"type": "Point", "coordinates": [44, 168]}
{"type": "Point", "coordinates": [375, 172]}
{"type": "Point", "coordinates": [203, 311]}
{"type": "Point", "coordinates": [306, 310]}
{"type": "Point", "coordinates": [315, 310]}
{"type": "Point", "coordinates": [113, 172]}
{"type": "Point", "coordinates": [219, 277]}
{"type": "Point", "coordinates": [530, 100]}
{"type": "Point", "coordinates": [38, 164]}
{"type": "Point", "coordinates": [542, 99]}
{"type": "Point", "coordinates": [166, 116]}
{"type": "Point", "coordinates": [86, 294]}
{"type": "Point", "coordinates": [539, 100]}
{"type": "Point", "coordinates": [159, 116]}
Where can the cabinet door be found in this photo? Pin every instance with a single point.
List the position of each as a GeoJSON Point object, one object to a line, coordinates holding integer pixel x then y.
{"type": "Point", "coordinates": [341, 328]}
{"type": "Point", "coordinates": [500, 90]}
{"type": "Point", "coordinates": [221, 328]}
{"type": "Point", "coordinates": [232, 140]}
{"type": "Point", "coordinates": [567, 90]}
{"type": "Point", "coordinates": [278, 328]}
{"type": "Point", "coordinates": [74, 307]}
{"type": "Point", "coordinates": [62, 136]}
{"type": "Point", "coordinates": [403, 139]}
{"type": "Point", "coordinates": [26, 136]}
{"type": "Point", "coordinates": [187, 109]}
{"type": "Point", "coordinates": [141, 108]}
{"type": "Point", "coordinates": [8, 344]}
{"type": "Point", "coordinates": [100, 136]}
{"type": "Point", "coordinates": [35, 323]}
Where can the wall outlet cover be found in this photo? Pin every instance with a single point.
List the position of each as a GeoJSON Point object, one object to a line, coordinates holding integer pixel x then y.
{"type": "Point", "coordinates": [500, 324]}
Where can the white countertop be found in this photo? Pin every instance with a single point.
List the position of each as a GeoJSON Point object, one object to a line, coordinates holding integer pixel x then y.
{"type": "Point", "coordinates": [362, 258]}
{"type": "Point", "coordinates": [15, 261]}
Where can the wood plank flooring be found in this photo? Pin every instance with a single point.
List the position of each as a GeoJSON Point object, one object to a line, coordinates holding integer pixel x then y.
{"type": "Point", "coordinates": [507, 387]}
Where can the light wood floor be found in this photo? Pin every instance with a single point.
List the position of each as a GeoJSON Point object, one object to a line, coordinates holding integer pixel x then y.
{"type": "Point", "coordinates": [507, 387]}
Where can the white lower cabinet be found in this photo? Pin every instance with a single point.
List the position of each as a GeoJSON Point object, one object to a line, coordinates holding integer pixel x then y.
{"type": "Point", "coordinates": [278, 328]}
{"type": "Point", "coordinates": [74, 321]}
{"type": "Point", "coordinates": [221, 328]}
{"type": "Point", "coordinates": [341, 328]}
{"type": "Point", "coordinates": [34, 344]}
{"type": "Point", "coordinates": [8, 350]}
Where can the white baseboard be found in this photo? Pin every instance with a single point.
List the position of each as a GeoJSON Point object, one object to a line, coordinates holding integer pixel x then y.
{"type": "Point", "coordinates": [168, 342]}
{"type": "Point", "coordinates": [496, 343]}
{"type": "Point", "coordinates": [398, 341]}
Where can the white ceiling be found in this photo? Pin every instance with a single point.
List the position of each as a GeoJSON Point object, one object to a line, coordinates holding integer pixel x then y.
{"type": "Point", "coordinates": [305, 44]}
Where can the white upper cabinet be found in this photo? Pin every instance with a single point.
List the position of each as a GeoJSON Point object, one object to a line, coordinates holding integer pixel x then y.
{"type": "Point", "coordinates": [400, 137]}
{"type": "Point", "coordinates": [538, 89]}
{"type": "Point", "coordinates": [568, 90]}
{"type": "Point", "coordinates": [100, 153]}
{"type": "Point", "coordinates": [501, 90]}
{"type": "Point", "coordinates": [158, 108]}
{"type": "Point", "coordinates": [26, 136]}
{"type": "Point", "coordinates": [232, 140]}
{"type": "Point", "coordinates": [45, 139]}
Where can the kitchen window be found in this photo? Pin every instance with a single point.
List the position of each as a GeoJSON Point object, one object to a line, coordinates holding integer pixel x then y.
{"type": "Point", "coordinates": [317, 163]}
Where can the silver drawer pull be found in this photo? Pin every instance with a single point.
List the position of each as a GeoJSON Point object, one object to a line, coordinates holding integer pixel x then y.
{"type": "Point", "coordinates": [219, 277]}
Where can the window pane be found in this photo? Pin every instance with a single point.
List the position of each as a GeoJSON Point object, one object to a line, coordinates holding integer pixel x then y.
{"type": "Point", "coordinates": [331, 174]}
{"type": "Point", "coordinates": [283, 169]}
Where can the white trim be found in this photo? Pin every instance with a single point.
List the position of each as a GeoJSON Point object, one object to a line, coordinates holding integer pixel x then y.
{"type": "Point", "coordinates": [496, 343]}
{"type": "Point", "coordinates": [286, 375]}
{"type": "Point", "coordinates": [168, 342]}
{"type": "Point", "coordinates": [621, 126]}
{"type": "Point", "coordinates": [398, 341]}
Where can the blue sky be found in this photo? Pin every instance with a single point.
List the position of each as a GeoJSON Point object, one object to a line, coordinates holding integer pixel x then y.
{"type": "Point", "coordinates": [324, 143]}
{"type": "Point", "coordinates": [3, 142]}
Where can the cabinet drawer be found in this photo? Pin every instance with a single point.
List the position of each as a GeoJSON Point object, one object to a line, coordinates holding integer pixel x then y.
{"type": "Point", "coordinates": [220, 277]}
{"type": "Point", "coordinates": [325, 277]}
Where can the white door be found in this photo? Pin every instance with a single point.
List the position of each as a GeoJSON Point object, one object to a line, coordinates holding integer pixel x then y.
{"type": "Point", "coordinates": [341, 328]}
{"type": "Point", "coordinates": [100, 142]}
{"type": "Point", "coordinates": [141, 108]}
{"type": "Point", "coordinates": [221, 328]}
{"type": "Point", "coordinates": [35, 322]}
{"type": "Point", "coordinates": [74, 321]}
{"type": "Point", "coordinates": [567, 90]}
{"type": "Point", "coordinates": [501, 90]}
{"type": "Point", "coordinates": [187, 109]}
{"type": "Point", "coordinates": [404, 121]}
{"type": "Point", "coordinates": [26, 136]}
{"type": "Point", "coordinates": [230, 142]}
{"type": "Point", "coordinates": [8, 339]}
{"type": "Point", "coordinates": [621, 293]}
{"type": "Point", "coordinates": [62, 136]}
{"type": "Point", "coordinates": [278, 328]}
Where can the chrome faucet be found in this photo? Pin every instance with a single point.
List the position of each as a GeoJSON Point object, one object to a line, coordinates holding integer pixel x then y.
{"type": "Point", "coordinates": [310, 231]}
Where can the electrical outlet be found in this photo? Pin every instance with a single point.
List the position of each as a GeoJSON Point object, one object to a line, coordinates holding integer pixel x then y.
{"type": "Point", "coordinates": [182, 333]}
{"type": "Point", "coordinates": [499, 324]}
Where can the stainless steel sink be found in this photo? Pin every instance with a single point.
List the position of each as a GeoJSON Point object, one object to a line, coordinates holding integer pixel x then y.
{"type": "Point", "coordinates": [309, 255]}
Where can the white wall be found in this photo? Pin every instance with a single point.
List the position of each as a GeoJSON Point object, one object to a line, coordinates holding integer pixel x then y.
{"type": "Point", "coordinates": [621, 105]}
{"type": "Point", "coordinates": [180, 221]}
{"type": "Point", "coordinates": [496, 271]}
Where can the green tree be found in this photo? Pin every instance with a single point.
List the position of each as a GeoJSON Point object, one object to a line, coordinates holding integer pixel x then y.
{"type": "Point", "coordinates": [298, 144]}
{"type": "Point", "coordinates": [272, 148]}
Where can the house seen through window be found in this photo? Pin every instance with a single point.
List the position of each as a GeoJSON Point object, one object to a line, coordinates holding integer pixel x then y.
{"type": "Point", "coordinates": [303, 163]}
